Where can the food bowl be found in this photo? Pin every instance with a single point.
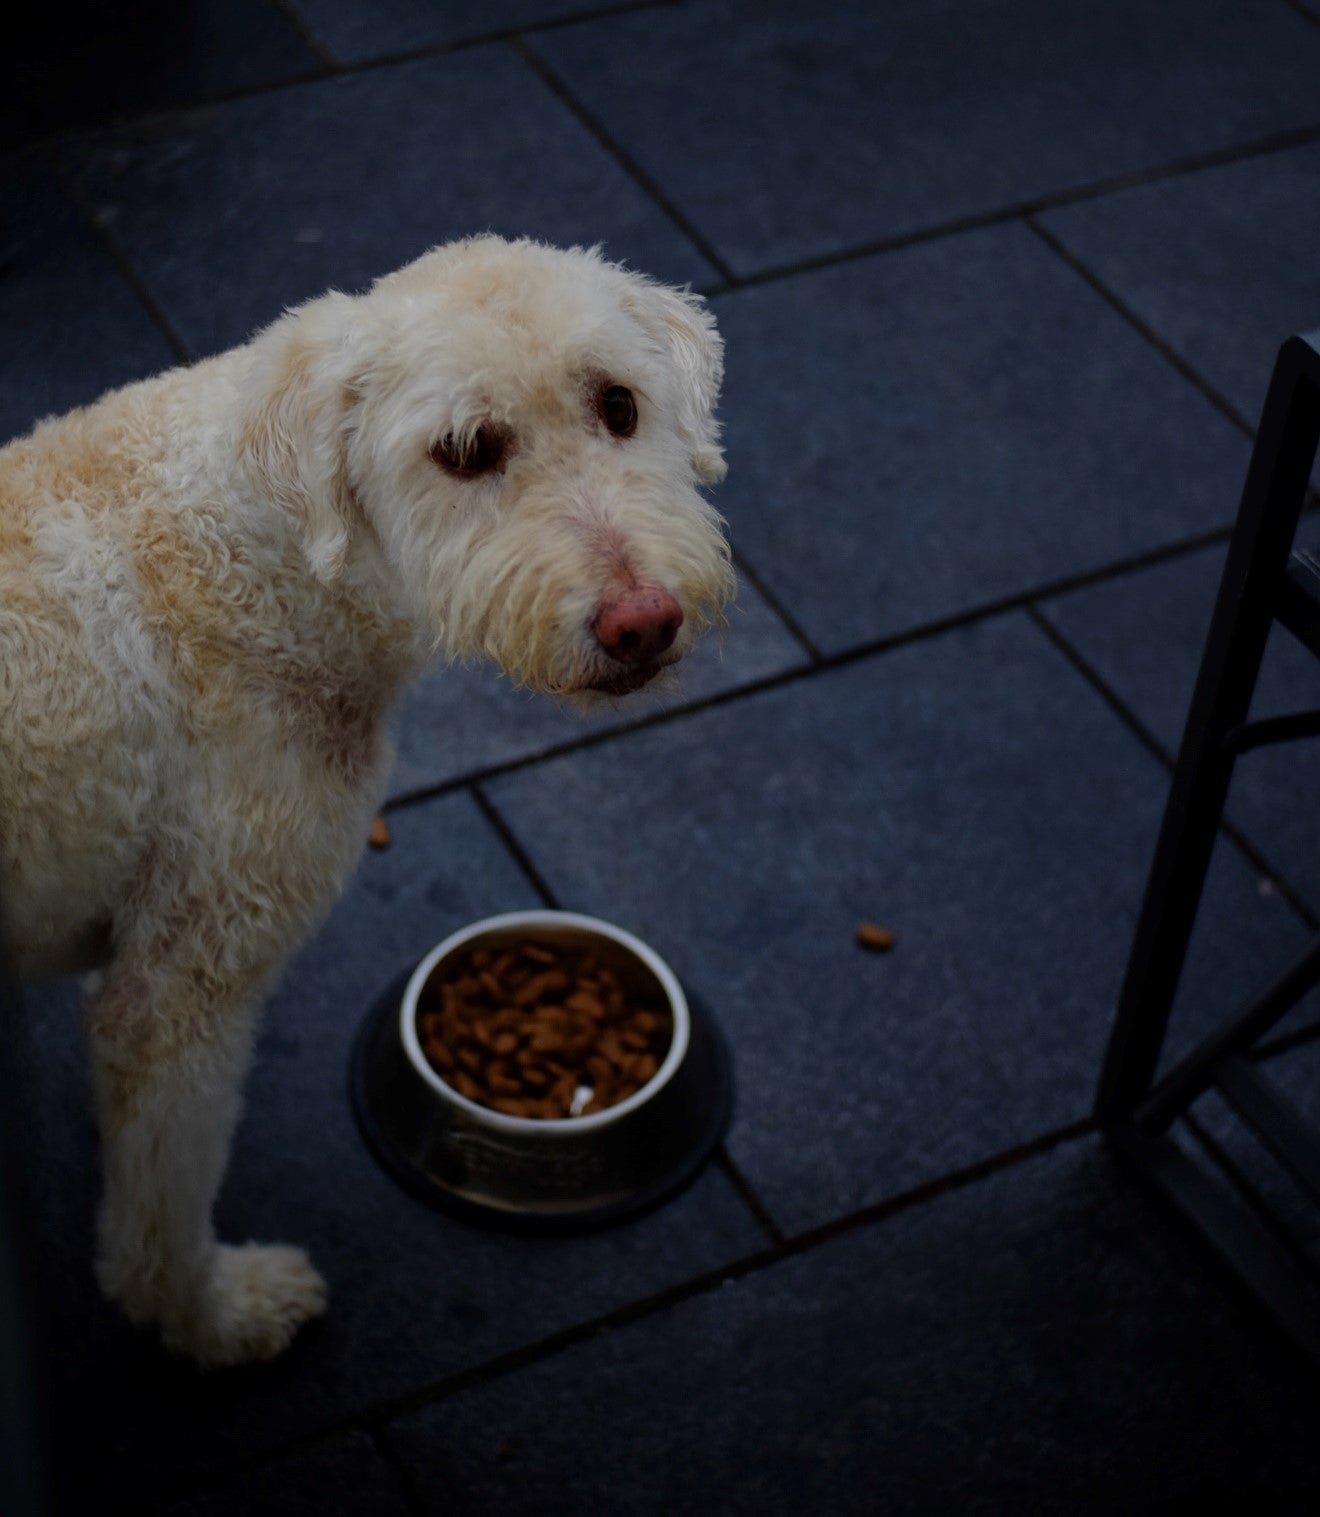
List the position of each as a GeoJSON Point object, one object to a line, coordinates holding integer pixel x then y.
{"type": "Point", "coordinates": [556, 939]}
{"type": "Point", "coordinates": [584, 1167]}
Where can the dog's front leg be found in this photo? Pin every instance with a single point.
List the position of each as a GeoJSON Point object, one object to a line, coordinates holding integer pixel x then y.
{"type": "Point", "coordinates": [169, 1048]}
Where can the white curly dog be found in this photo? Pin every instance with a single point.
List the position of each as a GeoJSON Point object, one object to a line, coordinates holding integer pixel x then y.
{"type": "Point", "coordinates": [213, 586]}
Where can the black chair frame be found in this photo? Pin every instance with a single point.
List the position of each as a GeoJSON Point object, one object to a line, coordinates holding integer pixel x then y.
{"type": "Point", "coordinates": [1264, 581]}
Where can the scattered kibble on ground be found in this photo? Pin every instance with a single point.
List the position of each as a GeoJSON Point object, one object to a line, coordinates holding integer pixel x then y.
{"type": "Point", "coordinates": [877, 939]}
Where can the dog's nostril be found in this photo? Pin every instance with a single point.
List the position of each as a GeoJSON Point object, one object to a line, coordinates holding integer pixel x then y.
{"type": "Point", "coordinates": [639, 624]}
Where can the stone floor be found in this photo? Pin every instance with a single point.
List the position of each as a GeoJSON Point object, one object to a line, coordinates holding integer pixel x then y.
{"type": "Point", "coordinates": [1001, 289]}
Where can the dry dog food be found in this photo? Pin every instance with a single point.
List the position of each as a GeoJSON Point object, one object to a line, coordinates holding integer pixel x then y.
{"type": "Point", "coordinates": [877, 939]}
{"type": "Point", "coordinates": [541, 1029]}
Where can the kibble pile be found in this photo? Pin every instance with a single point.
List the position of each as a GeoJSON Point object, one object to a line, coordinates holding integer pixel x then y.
{"type": "Point", "coordinates": [541, 1030]}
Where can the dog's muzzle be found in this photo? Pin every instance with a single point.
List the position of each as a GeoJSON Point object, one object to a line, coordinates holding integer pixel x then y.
{"type": "Point", "coordinates": [635, 629]}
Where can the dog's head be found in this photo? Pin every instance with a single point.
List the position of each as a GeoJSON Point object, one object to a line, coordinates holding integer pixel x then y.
{"type": "Point", "coordinates": [520, 435]}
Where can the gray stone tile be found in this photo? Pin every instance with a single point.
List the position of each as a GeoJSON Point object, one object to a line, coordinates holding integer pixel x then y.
{"type": "Point", "coordinates": [354, 33]}
{"type": "Point", "coordinates": [460, 720]}
{"type": "Point", "coordinates": [1038, 1342]}
{"type": "Point", "coordinates": [972, 793]}
{"type": "Point", "coordinates": [1144, 633]}
{"type": "Point", "coordinates": [346, 1475]}
{"type": "Point", "coordinates": [415, 1296]}
{"type": "Point", "coordinates": [73, 328]}
{"type": "Point", "coordinates": [787, 133]}
{"type": "Point", "coordinates": [1220, 263]}
{"type": "Point", "coordinates": [931, 431]}
{"type": "Point", "coordinates": [236, 212]}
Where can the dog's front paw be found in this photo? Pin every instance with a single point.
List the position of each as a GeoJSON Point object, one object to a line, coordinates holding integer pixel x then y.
{"type": "Point", "coordinates": [255, 1298]}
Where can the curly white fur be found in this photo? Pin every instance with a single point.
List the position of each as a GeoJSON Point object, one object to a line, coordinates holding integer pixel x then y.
{"type": "Point", "coordinates": [214, 584]}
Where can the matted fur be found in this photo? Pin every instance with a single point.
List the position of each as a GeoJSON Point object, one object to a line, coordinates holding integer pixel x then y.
{"type": "Point", "coordinates": [213, 586]}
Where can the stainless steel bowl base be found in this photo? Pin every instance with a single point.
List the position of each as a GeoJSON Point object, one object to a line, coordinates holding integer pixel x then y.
{"type": "Point", "coordinates": [541, 1181]}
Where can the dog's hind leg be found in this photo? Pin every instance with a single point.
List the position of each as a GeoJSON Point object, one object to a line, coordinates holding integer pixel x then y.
{"type": "Point", "coordinates": [170, 1040]}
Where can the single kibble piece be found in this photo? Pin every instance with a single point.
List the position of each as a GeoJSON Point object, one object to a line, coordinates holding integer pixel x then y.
{"type": "Point", "coordinates": [877, 939]}
{"type": "Point", "coordinates": [380, 834]}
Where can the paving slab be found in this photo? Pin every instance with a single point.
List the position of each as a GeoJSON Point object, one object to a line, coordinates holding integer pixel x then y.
{"type": "Point", "coordinates": [787, 134]}
{"type": "Point", "coordinates": [970, 792]}
{"type": "Point", "coordinates": [415, 1296]}
{"type": "Point", "coordinates": [73, 328]}
{"type": "Point", "coordinates": [345, 1475]}
{"type": "Point", "coordinates": [460, 720]}
{"type": "Point", "coordinates": [1038, 1342]}
{"type": "Point", "coordinates": [1219, 263]}
{"type": "Point", "coordinates": [233, 213]}
{"type": "Point", "coordinates": [918, 435]}
{"type": "Point", "coordinates": [353, 33]}
{"type": "Point", "coordinates": [1144, 633]}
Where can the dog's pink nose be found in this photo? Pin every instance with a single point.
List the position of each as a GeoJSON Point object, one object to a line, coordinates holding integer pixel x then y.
{"type": "Point", "coordinates": [638, 624]}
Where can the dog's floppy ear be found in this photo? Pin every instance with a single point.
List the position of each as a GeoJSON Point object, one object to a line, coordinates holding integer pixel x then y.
{"type": "Point", "coordinates": [688, 331]}
{"type": "Point", "coordinates": [301, 396]}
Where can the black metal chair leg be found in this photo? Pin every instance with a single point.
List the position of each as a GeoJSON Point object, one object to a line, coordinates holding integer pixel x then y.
{"type": "Point", "coordinates": [1253, 580]}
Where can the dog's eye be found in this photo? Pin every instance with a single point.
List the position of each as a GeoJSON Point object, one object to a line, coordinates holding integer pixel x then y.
{"type": "Point", "coordinates": [618, 410]}
{"type": "Point", "coordinates": [483, 452]}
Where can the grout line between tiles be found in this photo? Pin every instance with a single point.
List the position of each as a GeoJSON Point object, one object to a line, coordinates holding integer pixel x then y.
{"type": "Point", "coordinates": [560, 90]}
{"type": "Point", "coordinates": [747, 1192]}
{"type": "Point", "coordinates": [390, 1457]}
{"type": "Point", "coordinates": [124, 267]}
{"type": "Point", "coordinates": [375, 1420]}
{"type": "Point", "coordinates": [506, 34]}
{"type": "Point", "coordinates": [327, 67]}
{"type": "Point", "coordinates": [492, 38]}
{"type": "Point", "coordinates": [1098, 189]}
{"type": "Point", "coordinates": [1253, 855]}
{"type": "Point", "coordinates": [307, 34]}
{"type": "Point", "coordinates": [515, 847]}
{"type": "Point", "coordinates": [1021, 601]}
{"type": "Point", "coordinates": [1166, 351]}
{"type": "Point", "coordinates": [790, 623]}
